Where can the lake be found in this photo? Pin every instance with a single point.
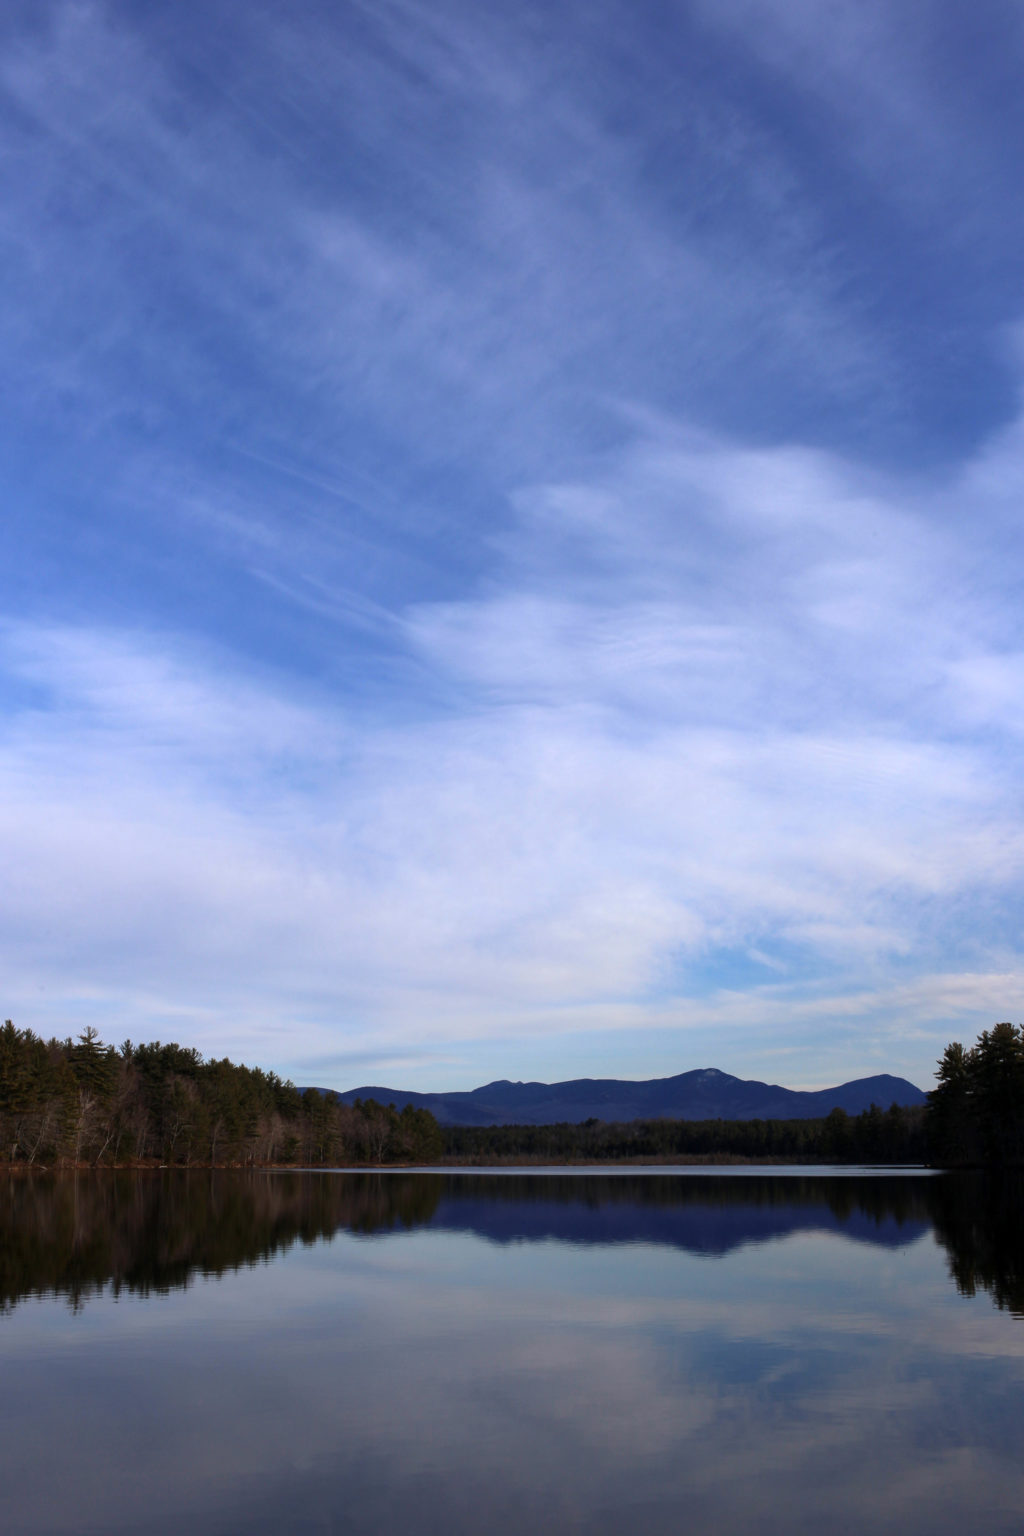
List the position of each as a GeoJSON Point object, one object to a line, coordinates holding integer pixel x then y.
{"type": "Point", "coordinates": [601, 1352]}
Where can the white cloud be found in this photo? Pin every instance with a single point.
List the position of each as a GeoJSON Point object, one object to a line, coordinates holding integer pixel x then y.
{"type": "Point", "coordinates": [744, 726]}
{"type": "Point", "coordinates": [679, 703]}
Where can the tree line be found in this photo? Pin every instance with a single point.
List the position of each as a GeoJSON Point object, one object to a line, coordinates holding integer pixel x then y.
{"type": "Point", "coordinates": [895, 1135]}
{"type": "Point", "coordinates": [976, 1110]}
{"type": "Point", "coordinates": [65, 1102]}
{"type": "Point", "coordinates": [82, 1102]}
{"type": "Point", "coordinates": [974, 1118]}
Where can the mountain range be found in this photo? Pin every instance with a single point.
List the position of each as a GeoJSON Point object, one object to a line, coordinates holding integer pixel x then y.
{"type": "Point", "coordinates": [704, 1094]}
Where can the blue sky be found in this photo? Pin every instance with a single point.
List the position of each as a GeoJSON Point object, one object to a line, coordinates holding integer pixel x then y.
{"type": "Point", "coordinates": [512, 533]}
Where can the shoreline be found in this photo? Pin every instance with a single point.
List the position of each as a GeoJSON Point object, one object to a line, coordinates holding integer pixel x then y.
{"type": "Point", "coordinates": [446, 1165]}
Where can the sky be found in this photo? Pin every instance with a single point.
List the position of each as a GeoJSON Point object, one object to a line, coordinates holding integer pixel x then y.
{"type": "Point", "coordinates": [512, 533]}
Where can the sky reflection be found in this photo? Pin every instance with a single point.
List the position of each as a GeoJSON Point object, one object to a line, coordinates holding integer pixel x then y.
{"type": "Point", "coordinates": [445, 1381]}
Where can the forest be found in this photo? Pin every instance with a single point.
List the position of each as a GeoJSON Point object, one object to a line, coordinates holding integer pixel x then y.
{"type": "Point", "coordinates": [895, 1135]}
{"type": "Point", "coordinates": [976, 1109]}
{"type": "Point", "coordinates": [65, 1103]}
{"type": "Point", "coordinates": [974, 1119]}
{"type": "Point", "coordinates": [83, 1103]}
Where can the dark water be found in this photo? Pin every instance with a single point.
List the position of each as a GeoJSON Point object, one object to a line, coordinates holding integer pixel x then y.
{"type": "Point", "coordinates": [630, 1353]}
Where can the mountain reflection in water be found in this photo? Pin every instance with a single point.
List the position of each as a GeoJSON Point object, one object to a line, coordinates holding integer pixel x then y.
{"type": "Point", "coordinates": [78, 1235]}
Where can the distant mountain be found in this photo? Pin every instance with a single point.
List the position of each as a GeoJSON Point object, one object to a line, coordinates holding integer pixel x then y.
{"type": "Point", "coordinates": [705, 1094]}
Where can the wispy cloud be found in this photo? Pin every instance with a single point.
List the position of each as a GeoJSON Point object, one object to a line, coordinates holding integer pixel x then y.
{"type": "Point", "coordinates": [707, 703]}
{"type": "Point", "coordinates": [512, 532]}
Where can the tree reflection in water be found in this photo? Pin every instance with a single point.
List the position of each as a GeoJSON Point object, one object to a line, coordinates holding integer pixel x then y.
{"type": "Point", "coordinates": [143, 1233]}
{"type": "Point", "coordinates": [979, 1219]}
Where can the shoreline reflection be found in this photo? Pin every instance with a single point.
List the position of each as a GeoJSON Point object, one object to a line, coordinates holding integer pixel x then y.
{"type": "Point", "coordinates": [77, 1236]}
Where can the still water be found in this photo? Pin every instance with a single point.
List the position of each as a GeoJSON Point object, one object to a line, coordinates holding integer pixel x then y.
{"type": "Point", "coordinates": [505, 1353]}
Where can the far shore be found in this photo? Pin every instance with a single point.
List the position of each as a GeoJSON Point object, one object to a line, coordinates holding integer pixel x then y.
{"type": "Point", "coordinates": [709, 1160]}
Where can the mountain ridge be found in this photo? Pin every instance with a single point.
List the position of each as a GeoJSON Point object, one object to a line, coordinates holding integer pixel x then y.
{"type": "Point", "coordinates": [705, 1093]}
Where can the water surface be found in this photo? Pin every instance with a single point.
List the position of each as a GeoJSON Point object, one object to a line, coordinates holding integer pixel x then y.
{"type": "Point", "coordinates": [279, 1352]}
